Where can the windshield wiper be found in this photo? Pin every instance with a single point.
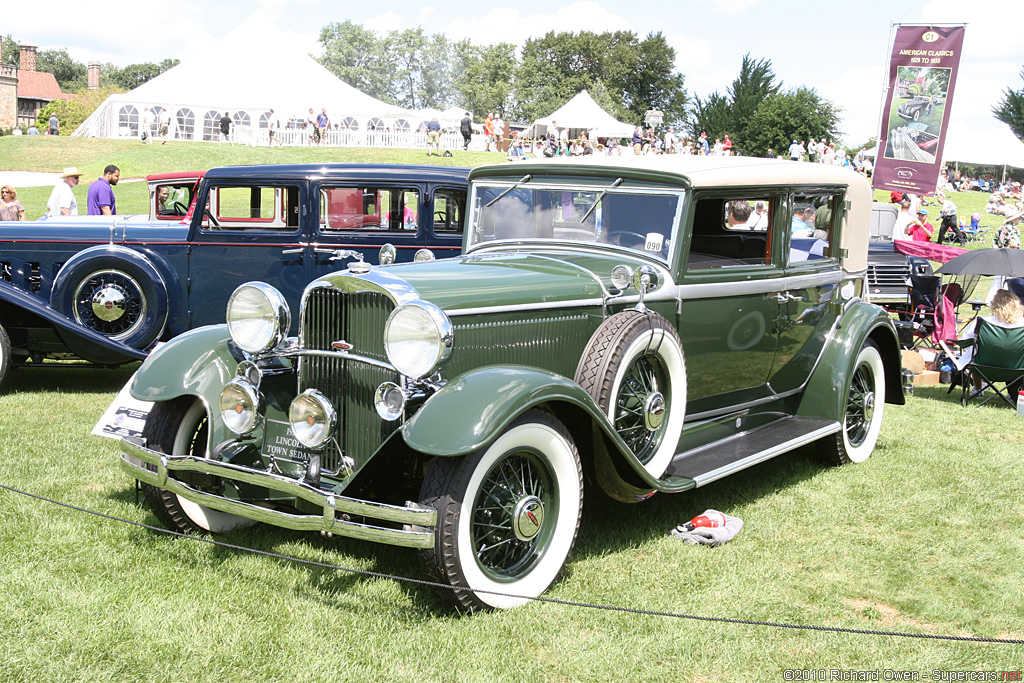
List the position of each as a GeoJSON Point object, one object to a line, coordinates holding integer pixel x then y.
{"type": "Point", "coordinates": [524, 179]}
{"type": "Point", "coordinates": [618, 181]}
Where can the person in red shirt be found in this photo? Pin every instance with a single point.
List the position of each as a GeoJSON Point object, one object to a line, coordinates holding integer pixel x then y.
{"type": "Point", "coordinates": [921, 230]}
{"type": "Point", "coordinates": [489, 131]}
{"type": "Point", "coordinates": [727, 146]}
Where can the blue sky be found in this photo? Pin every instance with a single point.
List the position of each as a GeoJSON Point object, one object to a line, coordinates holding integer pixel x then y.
{"type": "Point", "coordinates": [837, 48]}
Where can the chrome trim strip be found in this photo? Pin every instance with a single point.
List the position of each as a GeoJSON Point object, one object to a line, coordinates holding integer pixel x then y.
{"type": "Point", "coordinates": [539, 306]}
{"type": "Point", "coordinates": [344, 355]}
{"type": "Point", "coordinates": [756, 458]}
{"type": "Point", "coordinates": [134, 459]}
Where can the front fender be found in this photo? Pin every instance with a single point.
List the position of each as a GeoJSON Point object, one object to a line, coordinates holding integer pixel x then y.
{"type": "Point", "coordinates": [471, 410]}
{"type": "Point", "coordinates": [40, 308]}
{"type": "Point", "coordinates": [198, 362]}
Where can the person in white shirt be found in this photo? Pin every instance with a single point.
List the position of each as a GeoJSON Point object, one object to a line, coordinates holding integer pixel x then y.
{"type": "Point", "coordinates": [62, 200]}
{"type": "Point", "coordinates": [758, 218]}
{"type": "Point", "coordinates": [904, 220]}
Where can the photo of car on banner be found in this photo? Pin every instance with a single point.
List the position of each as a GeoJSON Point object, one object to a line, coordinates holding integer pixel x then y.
{"type": "Point", "coordinates": [613, 328]}
{"type": "Point", "coordinates": [105, 289]}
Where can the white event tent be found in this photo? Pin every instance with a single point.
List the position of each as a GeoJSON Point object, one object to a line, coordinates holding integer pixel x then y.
{"type": "Point", "coordinates": [996, 146]}
{"type": "Point", "coordinates": [249, 71]}
{"type": "Point", "coordinates": [582, 113]}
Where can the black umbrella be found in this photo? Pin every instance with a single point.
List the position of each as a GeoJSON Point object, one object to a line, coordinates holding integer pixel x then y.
{"type": "Point", "coordinates": [1008, 262]}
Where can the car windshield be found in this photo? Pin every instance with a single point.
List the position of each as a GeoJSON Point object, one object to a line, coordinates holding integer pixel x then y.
{"type": "Point", "coordinates": [637, 219]}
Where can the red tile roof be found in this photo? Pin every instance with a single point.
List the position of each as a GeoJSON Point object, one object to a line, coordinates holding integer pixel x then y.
{"type": "Point", "coordinates": [38, 85]}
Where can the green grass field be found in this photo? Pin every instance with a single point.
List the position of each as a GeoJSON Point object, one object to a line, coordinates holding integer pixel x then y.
{"type": "Point", "coordinates": [924, 538]}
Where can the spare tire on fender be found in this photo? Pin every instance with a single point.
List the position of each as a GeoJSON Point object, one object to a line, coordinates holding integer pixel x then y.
{"type": "Point", "coordinates": [115, 291]}
{"type": "Point", "coordinates": [634, 369]}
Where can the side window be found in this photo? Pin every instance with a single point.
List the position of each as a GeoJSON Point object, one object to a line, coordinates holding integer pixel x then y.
{"type": "Point", "coordinates": [449, 209]}
{"type": "Point", "coordinates": [252, 207]}
{"type": "Point", "coordinates": [369, 208]}
{"type": "Point", "coordinates": [812, 225]}
{"type": "Point", "coordinates": [173, 199]}
{"type": "Point", "coordinates": [732, 231]}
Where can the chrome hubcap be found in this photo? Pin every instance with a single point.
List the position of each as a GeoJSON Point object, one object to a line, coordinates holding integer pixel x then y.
{"type": "Point", "coordinates": [109, 303]}
{"type": "Point", "coordinates": [869, 405]}
{"type": "Point", "coordinates": [528, 518]}
{"type": "Point", "coordinates": [654, 411]}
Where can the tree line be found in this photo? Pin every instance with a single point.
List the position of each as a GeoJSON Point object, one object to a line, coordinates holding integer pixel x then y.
{"type": "Point", "coordinates": [73, 76]}
{"type": "Point", "coordinates": [626, 74]}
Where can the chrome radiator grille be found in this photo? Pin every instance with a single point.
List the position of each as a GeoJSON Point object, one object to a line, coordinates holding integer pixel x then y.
{"type": "Point", "coordinates": [358, 318]}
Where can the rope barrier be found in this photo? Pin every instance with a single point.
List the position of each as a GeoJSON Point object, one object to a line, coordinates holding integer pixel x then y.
{"type": "Point", "coordinates": [553, 601]}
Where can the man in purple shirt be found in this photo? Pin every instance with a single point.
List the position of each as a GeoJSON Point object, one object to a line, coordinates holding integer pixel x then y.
{"type": "Point", "coordinates": [101, 193]}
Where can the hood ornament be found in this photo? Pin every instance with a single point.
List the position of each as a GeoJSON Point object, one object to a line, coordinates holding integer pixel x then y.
{"type": "Point", "coordinates": [342, 345]}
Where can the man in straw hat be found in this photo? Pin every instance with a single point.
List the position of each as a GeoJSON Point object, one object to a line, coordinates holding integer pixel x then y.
{"type": "Point", "coordinates": [62, 200]}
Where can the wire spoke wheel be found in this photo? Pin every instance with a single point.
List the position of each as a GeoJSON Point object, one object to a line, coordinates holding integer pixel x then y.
{"type": "Point", "coordinates": [111, 303]}
{"type": "Point", "coordinates": [640, 398]}
{"type": "Point", "coordinates": [862, 411]}
{"type": "Point", "coordinates": [860, 404]}
{"type": "Point", "coordinates": [509, 531]}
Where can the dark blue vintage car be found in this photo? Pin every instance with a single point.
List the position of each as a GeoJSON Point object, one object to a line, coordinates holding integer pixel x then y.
{"type": "Point", "coordinates": [105, 291]}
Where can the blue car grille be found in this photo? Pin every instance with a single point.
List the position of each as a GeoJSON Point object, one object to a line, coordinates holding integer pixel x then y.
{"type": "Point", "coordinates": [358, 318]}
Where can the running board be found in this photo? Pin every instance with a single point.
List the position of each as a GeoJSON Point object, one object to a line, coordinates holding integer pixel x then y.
{"type": "Point", "coordinates": [707, 463]}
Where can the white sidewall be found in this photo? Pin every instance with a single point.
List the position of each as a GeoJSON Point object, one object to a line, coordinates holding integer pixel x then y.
{"type": "Point", "coordinates": [559, 452]}
{"type": "Point", "coordinates": [869, 355]}
{"type": "Point", "coordinates": [672, 356]}
{"type": "Point", "coordinates": [213, 521]}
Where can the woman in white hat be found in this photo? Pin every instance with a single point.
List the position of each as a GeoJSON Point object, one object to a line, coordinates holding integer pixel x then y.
{"type": "Point", "coordinates": [62, 200]}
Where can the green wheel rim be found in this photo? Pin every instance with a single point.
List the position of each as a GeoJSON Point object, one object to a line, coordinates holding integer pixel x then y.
{"type": "Point", "coordinates": [514, 515]}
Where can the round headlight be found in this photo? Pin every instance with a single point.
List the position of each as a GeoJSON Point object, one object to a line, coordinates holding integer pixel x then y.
{"type": "Point", "coordinates": [621, 277]}
{"type": "Point", "coordinates": [239, 406]}
{"type": "Point", "coordinates": [418, 338]}
{"type": "Point", "coordinates": [423, 256]}
{"type": "Point", "coordinates": [258, 317]}
{"type": "Point", "coordinates": [312, 418]}
{"type": "Point", "coordinates": [389, 401]}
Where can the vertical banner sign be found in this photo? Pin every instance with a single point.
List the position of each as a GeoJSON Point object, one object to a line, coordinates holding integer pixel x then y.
{"type": "Point", "coordinates": [915, 116]}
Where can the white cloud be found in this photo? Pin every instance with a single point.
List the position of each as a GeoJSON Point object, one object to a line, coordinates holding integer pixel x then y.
{"type": "Point", "coordinates": [858, 92]}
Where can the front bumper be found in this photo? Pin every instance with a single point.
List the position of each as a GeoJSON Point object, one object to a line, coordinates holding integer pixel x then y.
{"type": "Point", "coordinates": [418, 524]}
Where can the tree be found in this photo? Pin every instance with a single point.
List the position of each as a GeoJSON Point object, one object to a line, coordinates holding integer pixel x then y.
{"type": "Point", "coordinates": [798, 114]}
{"type": "Point", "coordinates": [484, 78]}
{"type": "Point", "coordinates": [754, 84]}
{"type": "Point", "coordinates": [732, 114]}
{"type": "Point", "coordinates": [1010, 110]}
{"type": "Point", "coordinates": [134, 75]}
{"type": "Point", "coordinates": [355, 55]}
{"type": "Point", "coordinates": [10, 54]}
{"type": "Point", "coordinates": [635, 75]}
{"type": "Point", "coordinates": [71, 113]}
{"type": "Point", "coordinates": [423, 66]}
{"type": "Point", "coordinates": [71, 76]}
{"type": "Point", "coordinates": [712, 116]}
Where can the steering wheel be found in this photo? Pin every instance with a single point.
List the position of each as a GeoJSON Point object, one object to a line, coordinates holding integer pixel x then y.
{"type": "Point", "coordinates": [178, 209]}
{"type": "Point", "coordinates": [440, 217]}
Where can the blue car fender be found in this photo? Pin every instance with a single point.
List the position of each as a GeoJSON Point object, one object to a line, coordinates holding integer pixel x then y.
{"type": "Point", "coordinates": [114, 276]}
{"type": "Point", "coordinates": [113, 351]}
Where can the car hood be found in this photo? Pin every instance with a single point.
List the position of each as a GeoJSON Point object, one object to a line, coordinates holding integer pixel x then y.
{"type": "Point", "coordinates": [496, 279]}
{"type": "Point", "coordinates": [136, 227]}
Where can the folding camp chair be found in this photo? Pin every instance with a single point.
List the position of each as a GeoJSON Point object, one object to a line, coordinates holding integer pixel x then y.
{"type": "Point", "coordinates": [998, 358]}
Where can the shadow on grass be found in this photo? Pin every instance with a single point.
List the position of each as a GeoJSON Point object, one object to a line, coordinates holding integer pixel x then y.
{"type": "Point", "coordinates": [69, 378]}
{"type": "Point", "coordinates": [606, 527]}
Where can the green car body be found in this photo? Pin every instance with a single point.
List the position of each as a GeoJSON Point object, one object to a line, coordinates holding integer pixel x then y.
{"type": "Point", "coordinates": [628, 326]}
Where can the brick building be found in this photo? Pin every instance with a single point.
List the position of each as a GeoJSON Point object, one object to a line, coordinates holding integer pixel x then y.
{"type": "Point", "coordinates": [24, 91]}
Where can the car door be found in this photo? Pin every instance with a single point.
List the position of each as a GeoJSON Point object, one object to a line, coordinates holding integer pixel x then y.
{"type": "Point", "coordinates": [248, 231]}
{"type": "Point", "coordinates": [728, 299]}
{"type": "Point", "coordinates": [806, 301]}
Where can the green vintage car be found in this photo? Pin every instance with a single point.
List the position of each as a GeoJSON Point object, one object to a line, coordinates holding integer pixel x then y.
{"type": "Point", "coordinates": [619, 326]}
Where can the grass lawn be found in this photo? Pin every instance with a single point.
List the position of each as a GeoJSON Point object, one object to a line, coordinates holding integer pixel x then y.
{"type": "Point", "coordinates": [925, 537]}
